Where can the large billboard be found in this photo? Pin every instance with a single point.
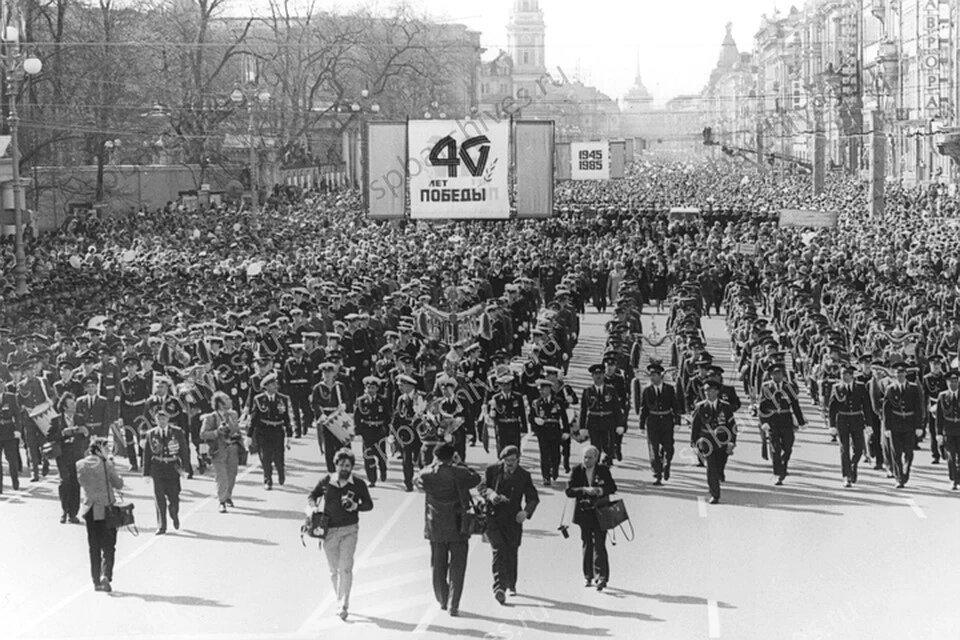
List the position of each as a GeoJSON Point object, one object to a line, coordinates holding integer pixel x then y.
{"type": "Point", "coordinates": [590, 160]}
{"type": "Point", "coordinates": [458, 171]}
{"type": "Point", "coordinates": [533, 140]}
{"type": "Point", "coordinates": [384, 175]}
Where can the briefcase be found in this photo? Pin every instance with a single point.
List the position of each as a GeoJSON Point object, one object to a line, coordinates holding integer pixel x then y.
{"type": "Point", "coordinates": [611, 514]}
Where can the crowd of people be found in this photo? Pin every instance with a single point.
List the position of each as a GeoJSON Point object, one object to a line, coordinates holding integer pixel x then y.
{"type": "Point", "coordinates": [181, 340]}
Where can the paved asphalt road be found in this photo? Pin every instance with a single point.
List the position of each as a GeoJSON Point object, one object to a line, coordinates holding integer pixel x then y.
{"type": "Point", "coordinates": [809, 560]}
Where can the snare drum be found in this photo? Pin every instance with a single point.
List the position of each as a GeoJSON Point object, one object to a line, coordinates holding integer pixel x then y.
{"type": "Point", "coordinates": [43, 415]}
{"type": "Point", "coordinates": [340, 425]}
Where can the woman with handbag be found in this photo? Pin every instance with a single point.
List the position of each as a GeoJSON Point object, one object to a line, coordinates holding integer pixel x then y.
{"type": "Point", "coordinates": [98, 478]}
{"type": "Point", "coordinates": [67, 442]}
{"type": "Point", "coordinates": [221, 431]}
{"type": "Point", "coordinates": [589, 483]}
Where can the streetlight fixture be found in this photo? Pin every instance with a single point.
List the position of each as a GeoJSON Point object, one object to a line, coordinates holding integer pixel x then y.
{"type": "Point", "coordinates": [16, 65]}
{"type": "Point", "coordinates": [251, 95]}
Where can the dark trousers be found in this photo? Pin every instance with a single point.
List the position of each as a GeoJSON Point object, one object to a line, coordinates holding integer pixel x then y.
{"type": "Point", "coordinates": [952, 447]}
{"type": "Point", "coordinates": [507, 435]}
{"type": "Point", "coordinates": [660, 442]}
{"type": "Point", "coordinates": [69, 488]}
{"type": "Point", "coordinates": [166, 492]}
{"type": "Point", "coordinates": [935, 448]}
{"type": "Point", "coordinates": [617, 444]}
{"type": "Point", "coordinates": [549, 456]}
{"type": "Point", "coordinates": [876, 446]}
{"type": "Point", "coordinates": [593, 541]}
{"type": "Point", "coordinates": [426, 453]}
{"type": "Point", "coordinates": [602, 439]}
{"type": "Point", "coordinates": [449, 563]}
{"type": "Point", "coordinates": [901, 453]}
{"type": "Point", "coordinates": [374, 456]}
{"type": "Point", "coordinates": [565, 454]}
{"type": "Point", "coordinates": [11, 451]}
{"type": "Point", "coordinates": [301, 410]}
{"type": "Point", "coordinates": [410, 458]}
{"type": "Point", "coordinates": [847, 464]}
{"type": "Point", "coordinates": [33, 438]}
{"type": "Point", "coordinates": [102, 543]}
{"type": "Point", "coordinates": [330, 445]}
{"type": "Point", "coordinates": [716, 460]}
{"type": "Point", "coordinates": [132, 419]}
{"type": "Point", "coordinates": [505, 558]}
{"type": "Point", "coordinates": [272, 450]}
{"type": "Point", "coordinates": [781, 448]}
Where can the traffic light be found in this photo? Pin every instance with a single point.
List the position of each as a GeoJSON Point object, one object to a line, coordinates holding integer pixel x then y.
{"type": "Point", "coordinates": [708, 136]}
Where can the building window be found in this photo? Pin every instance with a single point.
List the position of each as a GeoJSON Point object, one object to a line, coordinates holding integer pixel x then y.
{"type": "Point", "coordinates": [526, 57]}
{"type": "Point", "coordinates": [485, 88]}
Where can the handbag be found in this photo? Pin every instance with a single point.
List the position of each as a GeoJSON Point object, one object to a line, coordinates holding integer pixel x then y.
{"type": "Point", "coordinates": [118, 515]}
{"type": "Point", "coordinates": [612, 514]}
{"type": "Point", "coordinates": [316, 524]}
{"type": "Point", "coordinates": [243, 457]}
{"type": "Point", "coordinates": [473, 518]}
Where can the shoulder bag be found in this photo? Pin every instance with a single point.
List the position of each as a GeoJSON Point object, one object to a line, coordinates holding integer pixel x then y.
{"type": "Point", "coordinates": [473, 517]}
{"type": "Point", "coordinates": [118, 515]}
{"type": "Point", "coordinates": [612, 514]}
{"type": "Point", "coordinates": [316, 524]}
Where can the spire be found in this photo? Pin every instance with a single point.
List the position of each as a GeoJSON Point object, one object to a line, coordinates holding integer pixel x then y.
{"type": "Point", "coordinates": [729, 54]}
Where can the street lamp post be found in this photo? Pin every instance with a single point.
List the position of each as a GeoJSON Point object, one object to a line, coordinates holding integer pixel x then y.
{"type": "Point", "coordinates": [251, 95]}
{"type": "Point", "coordinates": [15, 65]}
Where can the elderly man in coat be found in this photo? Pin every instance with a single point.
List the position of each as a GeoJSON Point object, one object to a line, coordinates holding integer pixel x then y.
{"type": "Point", "coordinates": [447, 483]}
{"type": "Point", "coordinates": [509, 489]}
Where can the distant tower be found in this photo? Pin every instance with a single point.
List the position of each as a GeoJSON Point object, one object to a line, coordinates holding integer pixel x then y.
{"type": "Point", "coordinates": [525, 43]}
{"type": "Point", "coordinates": [638, 98]}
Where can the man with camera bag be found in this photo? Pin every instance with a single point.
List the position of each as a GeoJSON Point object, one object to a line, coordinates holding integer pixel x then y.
{"type": "Point", "coordinates": [506, 487]}
{"type": "Point", "coordinates": [447, 484]}
{"type": "Point", "coordinates": [344, 496]}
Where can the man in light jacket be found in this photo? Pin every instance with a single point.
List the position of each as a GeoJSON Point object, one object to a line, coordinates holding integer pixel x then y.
{"type": "Point", "coordinates": [98, 481]}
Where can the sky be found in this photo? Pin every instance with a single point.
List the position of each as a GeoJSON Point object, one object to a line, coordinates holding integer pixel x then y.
{"type": "Point", "coordinates": [677, 42]}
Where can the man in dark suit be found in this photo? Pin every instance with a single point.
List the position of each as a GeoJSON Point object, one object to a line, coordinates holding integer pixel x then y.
{"type": "Point", "coordinates": [902, 411]}
{"type": "Point", "coordinates": [589, 483]}
{"type": "Point", "coordinates": [848, 406]}
{"type": "Point", "coordinates": [660, 408]}
{"type": "Point", "coordinates": [509, 489]}
{"type": "Point", "coordinates": [948, 424]}
{"type": "Point", "coordinates": [714, 435]}
{"type": "Point", "coordinates": [447, 485]}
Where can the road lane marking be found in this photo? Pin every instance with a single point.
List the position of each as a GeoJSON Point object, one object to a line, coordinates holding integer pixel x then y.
{"type": "Point", "coordinates": [385, 530]}
{"type": "Point", "coordinates": [35, 622]}
{"type": "Point", "coordinates": [426, 620]}
{"type": "Point", "coordinates": [713, 618]}
{"type": "Point", "coordinates": [916, 508]}
{"type": "Point", "coordinates": [397, 556]}
{"type": "Point", "coordinates": [701, 507]}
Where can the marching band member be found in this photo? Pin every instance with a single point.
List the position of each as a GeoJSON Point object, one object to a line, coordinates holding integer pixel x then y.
{"type": "Point", "coordinates": [328, 400]}
{"type": "Point", "coordinates": [848, 406]}
{"type": "Point", "coordinates": [778, 408]}
{"type": "Point", "coordinates": [659, 407]}
{"type": "Point", "coordinates": [948, 425]}
{"type": "Point", "coordinates": [165, 455]}
{"type": "Point", "coordinates": [902, 422]}
{"type": "Point", "coordinates": [371, 416]}
{"type": "Point", "coordinates": [548, 415]}
{"type": "Point", "coordinates": [269, 421]}
{"type": "Point", "coordinates": [713, 435]}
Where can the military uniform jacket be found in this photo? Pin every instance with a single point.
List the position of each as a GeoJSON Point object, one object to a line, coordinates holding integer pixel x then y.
{"type": "Point", "coordinates": [779, 405]}
{"type": "Point", "coordinates": [659, 409]}
{"type": "Point", "coordinates": [619, 383]}
{"type": "Point", "coordinates": [371, 416]}
{"type": "Point", "coordinates": [848, 406]}
{"type": "Point", "coordinates": [948, 413]}
{"type": "Point", "coordinates": [134, 391]}
{"type": "Point", "coordinates": [297, 375]}
{"type": "Point", "coordinates": [404, 413]}
{"type": "Point", "coordinates": [715, 425]}
{"type": "Point", "coordinates": [9, 415]}
{"type": "Point", "coordinates": [324, 399]}
{"type": "Point", "coordinates": [165, 453]}
{"type": "Point", "coordinates": [902, 408]}
{"type": "Point", "coordinates": [92, 414]}
{"type": "Point", "coordinates": [32, 392]}
{"type": "Point", "coordinates": [601, 409]}
{"type": "Point", "coordinates": [269, 414]}
{"type": "Point", "coordinates": [933, 385]}
{"type": "Point", "coordinates": [507, 411]}
{"type": "Point", "coordinates": [549, 418]}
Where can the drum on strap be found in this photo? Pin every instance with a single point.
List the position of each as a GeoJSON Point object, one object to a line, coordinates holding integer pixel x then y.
{"type": "Point", "coordinates": [43, 415]}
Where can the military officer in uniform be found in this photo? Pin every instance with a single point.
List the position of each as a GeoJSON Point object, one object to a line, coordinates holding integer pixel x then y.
{"type": "Point", "coordinates": [568, 398]}
{"type": "Point", "coordinates": [134, 392]}
{"type": "Point", "coordinates": [92, 409]}
{"type": "Point", "coordinates": [165, 454]}
{"type": "Point", "coordinates": [948, 424]}
{"type": "Point", "coordinates": [297, 384]}
{"type": "Point", "coordinates": [934, 383]}
{"type": "Point", "coordinates": [778, 408]}
{"type": "Point", "coordinates": [408, 404]}
{"type": "Point", "coordinates": [10, 431]}
{"type": "Point", "coordinates": [174, 407]}
{"type": "Point", "coordinates": [713, 435]}
{"type": "Point", "coordinates": [902, 410]}
{"type": "Point", "coordinates": [601, 414]}
{"type": "Point", "coordinates": [660, 407]}
{"type": "Point", "coordinates": [371, 416]}
{"type": "Point", "coordinates": [847, 408]}
{"type": "Point", "coordinates": [33, 391]}
{"type": "Point", "coordinates": [551, 426]}
{"type": "Point", "coordinates": [507, 413]}
{"type": "Point", "coordinates": [612, 377]}
{"type": "Point", "coordinates": [269, 422]}
{"type": "Point", "coordinates": [328, 397]}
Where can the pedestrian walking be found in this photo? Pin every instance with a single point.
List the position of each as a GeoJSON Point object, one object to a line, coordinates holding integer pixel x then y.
{"type": "Point", "coordinates": [344, 495]}
{"type": "Point", "coordinates": [165, 455]}
{"type": "Point", "coordinates": [589, 483]}
{"type": "Point", "coordinates": [447, 485]}
{"type": "Point", "coordinates": [221, 432]}
{"type": "Point", "coordinates": [70, 441]}
{"type": "Point", "coordinates": [98, 479]}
